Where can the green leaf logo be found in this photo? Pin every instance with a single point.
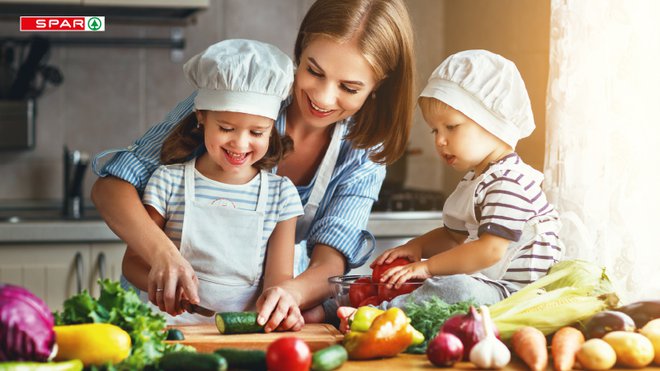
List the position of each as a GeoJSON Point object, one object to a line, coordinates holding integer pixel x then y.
{"type": "Point", "coordinates": [94, 24]}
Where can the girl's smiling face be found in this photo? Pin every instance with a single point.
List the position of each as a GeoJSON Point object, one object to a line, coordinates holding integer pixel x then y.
{"type": "Point", "coordinates": [461, 142]}
{"type": "Point", "coordinates": [332, 81]}
{"type": "Point", "coordinates": [234, 142]}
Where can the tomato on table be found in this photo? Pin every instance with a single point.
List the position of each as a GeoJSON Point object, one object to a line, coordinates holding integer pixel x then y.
{"type": "Point", "coordinates": [288, 354]}
{"type": "Point", "coordinates": [360, 290]}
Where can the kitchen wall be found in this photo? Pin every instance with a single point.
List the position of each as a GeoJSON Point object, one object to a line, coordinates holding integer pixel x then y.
{"type": "Point", "coordinates": [110, 96]}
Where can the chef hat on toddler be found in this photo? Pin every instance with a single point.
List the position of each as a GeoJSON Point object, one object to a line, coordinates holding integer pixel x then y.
{"type": "Point", "coordinates": [241, 76]}
{"type": "Point", "coordinates": [488, 89]}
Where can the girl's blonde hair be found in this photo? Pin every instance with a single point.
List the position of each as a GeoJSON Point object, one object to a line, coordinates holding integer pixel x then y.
{"type": "Point", "coordinates": [187, 137]}
{"type": "Point", "coordinates": [385, 38]}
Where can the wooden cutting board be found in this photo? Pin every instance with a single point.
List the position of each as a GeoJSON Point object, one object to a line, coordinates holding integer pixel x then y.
{"type": "Point", "coordinates": [206, 338]}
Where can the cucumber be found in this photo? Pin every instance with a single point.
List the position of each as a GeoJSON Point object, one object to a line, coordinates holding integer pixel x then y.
{"type": "Point", "coordinates": [73, 365]}
{"type": "Point", "coordinates": [237, 323]}
{"type": "Point", "coordinates": [244, 359]}
{"type": "Point", "coordinates": [175, 334]}
{"type": "Point", "coordinates": [329, 358]}
{"type": "Point", "coordinates": [191, 361]}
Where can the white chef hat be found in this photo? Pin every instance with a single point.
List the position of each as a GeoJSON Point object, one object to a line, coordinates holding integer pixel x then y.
{"type": "Point", "coordinates": [487, 88]}
{"type": "Point", "coordinates": [239, 75]}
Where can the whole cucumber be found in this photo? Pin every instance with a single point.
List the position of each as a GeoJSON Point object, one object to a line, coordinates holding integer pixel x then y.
{"type": "Point", "coordinates": [329, 358]}
{"type": "Point", "coordinates": [191, 361]}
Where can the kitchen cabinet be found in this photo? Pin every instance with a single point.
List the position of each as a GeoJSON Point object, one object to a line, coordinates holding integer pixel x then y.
{"type": "Point", "coordinates": [54, 272]}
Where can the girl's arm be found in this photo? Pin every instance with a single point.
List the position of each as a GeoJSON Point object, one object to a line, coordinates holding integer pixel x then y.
{"type": "Point", "coordinates": [280, 253]}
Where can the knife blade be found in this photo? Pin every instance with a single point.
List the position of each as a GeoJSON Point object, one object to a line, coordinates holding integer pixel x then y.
{"type": "Point", "coordinates": [198, 309]}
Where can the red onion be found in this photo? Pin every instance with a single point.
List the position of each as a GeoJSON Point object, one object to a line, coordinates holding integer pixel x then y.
{"type": "Point", "coordinates": [444, 350]}
{"type": "Point", "coordinates": [468, 328]}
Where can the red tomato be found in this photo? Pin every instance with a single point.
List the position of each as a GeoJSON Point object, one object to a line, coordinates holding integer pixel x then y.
{"type": "Point", "coordinates": [361, 289]}
{"type": "Point", "coordinates": [380, 269]}
{"type": "Point", "coordinates": [372, 300]}
{"type": "Point", "coordinates": [388, 294]}
{"type": "Point", "coordinates": [288, 354]}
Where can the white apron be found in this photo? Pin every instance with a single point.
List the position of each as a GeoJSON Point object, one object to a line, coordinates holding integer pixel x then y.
{"type": "Point", "coordinates": [323, 177]}
{"type": "Point", "coordinates": [223, 245]}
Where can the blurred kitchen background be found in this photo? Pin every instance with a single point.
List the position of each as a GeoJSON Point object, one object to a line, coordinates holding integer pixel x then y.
{"type": "Point", "coordinates": [110, 95]}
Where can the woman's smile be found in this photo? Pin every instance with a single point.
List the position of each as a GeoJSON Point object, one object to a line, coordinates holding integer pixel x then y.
{"type": "Point", "coordinates": [318, 111]}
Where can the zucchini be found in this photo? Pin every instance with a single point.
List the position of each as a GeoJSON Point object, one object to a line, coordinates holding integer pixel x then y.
{"type": "Point", "coordinates": [191, 361]}
{"type": "Point", "coordinates": [329, 358]}
{"type": "Point", "coordinates": [175, 334]}
{"type": "Point", "coordinates": [237, 323]}
{"type": "Point", "coordinates": [72, 365]}
{"type": "Point", "coordinates": [244, 359]}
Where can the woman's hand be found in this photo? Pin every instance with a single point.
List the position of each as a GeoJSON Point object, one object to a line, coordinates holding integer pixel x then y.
{"type": "Point", "coordinates": [408, 251]}
{"type": "Point", "coordinates": [171, 279]}
{"type": "Point", "coordinates": [396, 276]}
{"type": "Point", "coordinates": [278, 310]}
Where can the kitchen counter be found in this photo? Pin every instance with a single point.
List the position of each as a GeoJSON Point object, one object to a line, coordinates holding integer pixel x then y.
{"type": "Point", "coordinates": [52, 228]}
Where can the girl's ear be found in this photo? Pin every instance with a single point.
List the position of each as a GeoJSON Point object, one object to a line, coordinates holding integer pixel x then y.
{"type": "Point", "coordinates": [200, 116]}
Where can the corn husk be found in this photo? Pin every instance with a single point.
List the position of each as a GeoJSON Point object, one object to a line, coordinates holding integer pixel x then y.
{"type": "Point", "coordinates": [572, 291]}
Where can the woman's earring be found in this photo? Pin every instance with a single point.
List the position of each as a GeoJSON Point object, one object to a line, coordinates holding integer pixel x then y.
{"type": "Point", "coordinates": [373, 95]}
{"type": "Point", "coordinates": [199, 124]}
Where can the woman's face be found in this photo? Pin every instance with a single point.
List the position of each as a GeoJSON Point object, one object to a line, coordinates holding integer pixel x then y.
{"type": "Point", "coordinates": [235, 141]}
{"type": "Point", "coordinates": [332, 81]}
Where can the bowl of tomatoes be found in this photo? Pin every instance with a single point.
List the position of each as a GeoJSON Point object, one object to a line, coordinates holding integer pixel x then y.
{"type": "Point", "coordinates": [360, 290]}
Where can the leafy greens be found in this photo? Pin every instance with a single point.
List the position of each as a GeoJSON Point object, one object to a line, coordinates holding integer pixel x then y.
{"type": "Point", "coordinates": [428, 316]}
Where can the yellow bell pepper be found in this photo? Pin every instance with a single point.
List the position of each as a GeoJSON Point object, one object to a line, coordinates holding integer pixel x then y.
{"type": "Point", "coordinates": [92, 343]}
{"type": "Point", "coordinates": [389, 334]}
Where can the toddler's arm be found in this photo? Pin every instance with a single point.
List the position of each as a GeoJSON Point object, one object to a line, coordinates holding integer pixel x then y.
{"type": "Point", "coordinates": [424, 246]}
{"type": "Point", "coordinates": [466, 258]}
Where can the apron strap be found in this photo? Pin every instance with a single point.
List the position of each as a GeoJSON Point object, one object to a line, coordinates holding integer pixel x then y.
{"type": "Point", "coordinates": [189, 174]}
{"type": "Point", "coordinates": [262, 199]}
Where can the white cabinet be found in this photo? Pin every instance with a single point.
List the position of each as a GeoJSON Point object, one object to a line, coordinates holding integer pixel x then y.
{"type": "Point", "coordinates": [55, 272]}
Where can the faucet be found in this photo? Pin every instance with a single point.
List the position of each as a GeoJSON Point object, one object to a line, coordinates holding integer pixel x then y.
{"type": "Point", "coordinates": [75, 164]}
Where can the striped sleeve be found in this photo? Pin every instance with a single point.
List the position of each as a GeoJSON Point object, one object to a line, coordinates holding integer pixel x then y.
{"type": "Point", "coordinates": [136, 163]}
{"type": "Point", "coordinates": [289, 201]}
{"type": "Point", "coordinates": [158, 190]}
{"type": "Point", "coordinates": [344, 221]}
{"type": "Point", "coordinates": [507, 204]}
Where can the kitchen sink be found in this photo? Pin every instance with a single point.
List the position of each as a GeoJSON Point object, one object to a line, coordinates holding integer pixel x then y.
{"type": "Point", "coordinates": [22, 215]}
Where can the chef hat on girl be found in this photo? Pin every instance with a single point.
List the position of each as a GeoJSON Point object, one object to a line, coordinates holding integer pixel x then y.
{"type": "Point", "coordinates": [239, 75]}
{"type": "Point", "coordinates": [488, 89]}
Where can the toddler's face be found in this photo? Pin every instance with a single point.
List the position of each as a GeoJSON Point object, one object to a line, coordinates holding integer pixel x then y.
{"type": "Point", "coordinates": [462, 143]}
{"type": "Point", "coordinates": [235, 141]}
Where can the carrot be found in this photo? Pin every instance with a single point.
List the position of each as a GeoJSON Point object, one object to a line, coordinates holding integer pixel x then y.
{"type": "Point", "coordinates": [530, 345]}
{"type": "Point", "coordinates": [566, 342]}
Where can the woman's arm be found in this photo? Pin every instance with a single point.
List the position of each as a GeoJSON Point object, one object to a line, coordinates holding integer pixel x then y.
{"type": "Point", "coordinates": [120, 206]}
{"type": "Point", "coordinates": [134, 267]}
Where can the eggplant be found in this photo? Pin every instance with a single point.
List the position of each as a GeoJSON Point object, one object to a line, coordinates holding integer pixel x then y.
{"type": "Point", "coordinates": [642, 311]}
{"type": "Point", "coordinates": [607, 321]}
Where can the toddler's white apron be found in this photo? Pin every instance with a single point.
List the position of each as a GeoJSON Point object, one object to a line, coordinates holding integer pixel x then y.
{"type": "Point", "coordinates": [323, 177]}
{"type": "Point", "coordinates": [223, 245]}
{"type": "Point", "coordinates": [460, 206]}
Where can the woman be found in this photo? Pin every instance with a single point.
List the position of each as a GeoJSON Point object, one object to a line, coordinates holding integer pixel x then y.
{"type": "Point", "coordinates": [350, 113]}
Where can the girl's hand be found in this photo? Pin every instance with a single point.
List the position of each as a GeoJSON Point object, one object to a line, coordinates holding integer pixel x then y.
{"type": "Point", "coordinates": [278, 310]}
{"type": "Point", "coordinates": [398, 275]}
{"type": "Point", "coordinates": [410, 252]}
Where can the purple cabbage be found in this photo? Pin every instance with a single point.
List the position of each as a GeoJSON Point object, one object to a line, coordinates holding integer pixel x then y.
{"type": "Point", "coordinates": [26, 326]}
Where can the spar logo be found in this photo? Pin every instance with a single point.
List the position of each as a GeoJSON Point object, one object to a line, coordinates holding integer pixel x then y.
{"type": "Point", "coordinates": [63, 24]}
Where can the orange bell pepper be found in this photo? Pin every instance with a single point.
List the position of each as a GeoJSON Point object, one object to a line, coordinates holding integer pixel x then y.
{"type": "Point", "coordinates": [389, 334]}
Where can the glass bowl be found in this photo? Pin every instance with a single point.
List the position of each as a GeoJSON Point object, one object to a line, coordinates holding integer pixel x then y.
{"type": "Point", "coordinates": [348, 291]}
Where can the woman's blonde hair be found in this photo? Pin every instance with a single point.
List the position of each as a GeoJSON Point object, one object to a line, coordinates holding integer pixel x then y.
{"type": "Point", "coordinates": [385, 38]}
{"type": "Point", "coordinates": [187, 137]}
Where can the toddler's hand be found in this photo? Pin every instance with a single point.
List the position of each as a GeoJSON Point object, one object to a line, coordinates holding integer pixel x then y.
{"type": "Point", "coordinates": [398, 275]}
{"type": "Point", "coordinates": [411, 253]}
{"type": "Point", "coordinates": [345, 314]}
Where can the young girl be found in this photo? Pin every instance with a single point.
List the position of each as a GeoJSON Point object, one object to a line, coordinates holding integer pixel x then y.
{"type": "Point", "coordinates": [499, 232]}
{"type": "Point", "coordinates": [230, 218]}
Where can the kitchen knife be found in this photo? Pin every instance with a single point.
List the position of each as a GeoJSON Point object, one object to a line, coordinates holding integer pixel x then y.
{"type": "Point", "coordinates": [194, 308]}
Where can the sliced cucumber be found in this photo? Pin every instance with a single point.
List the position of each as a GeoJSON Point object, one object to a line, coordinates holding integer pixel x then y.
{"type": "Point", "coordinates": [237, 323]}
{"type": "Point", "coordinates": [329, 358]}
{"type": "Point", "coordinates": [244, 359]}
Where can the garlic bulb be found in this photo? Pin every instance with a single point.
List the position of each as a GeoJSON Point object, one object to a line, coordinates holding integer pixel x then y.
{"type": "Point", "coordinates": [489, 352]}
